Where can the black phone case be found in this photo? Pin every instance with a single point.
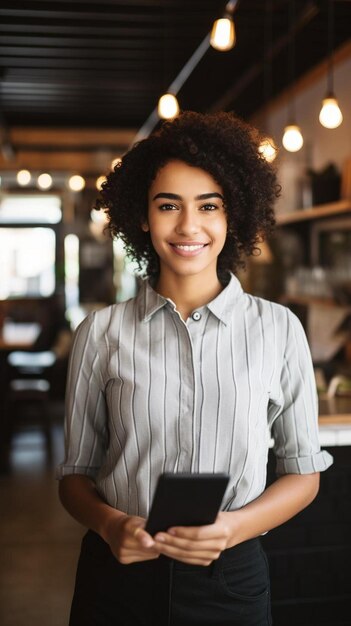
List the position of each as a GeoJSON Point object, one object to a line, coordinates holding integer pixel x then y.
{"type": "Point", "coordinates": [183, 499]}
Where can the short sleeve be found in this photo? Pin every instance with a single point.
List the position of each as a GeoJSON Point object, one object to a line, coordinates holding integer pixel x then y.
{"type": "Point", "coordinates": [294, 418]}
{"type": "Point", "coordinates": [85, 408]}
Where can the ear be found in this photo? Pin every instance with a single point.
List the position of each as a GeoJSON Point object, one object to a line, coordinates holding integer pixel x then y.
{"type": "Point", "coordinates": [145, 227]}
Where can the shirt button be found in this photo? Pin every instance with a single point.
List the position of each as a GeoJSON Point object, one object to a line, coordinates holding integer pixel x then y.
{"type": "Point", "coordinates": [196, 316]}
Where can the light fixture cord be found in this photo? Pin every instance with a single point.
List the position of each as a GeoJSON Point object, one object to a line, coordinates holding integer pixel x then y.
{"type": "Point", "coordinates": [330, 46]}
{"type": "Point", "coordinates": [267, 44]}
{"type": "Point", "coordinates": [230, 7]}
{"type": "Point", "coordinates": [292, 61]}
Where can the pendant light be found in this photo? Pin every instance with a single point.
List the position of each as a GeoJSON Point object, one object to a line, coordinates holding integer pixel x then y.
{"type": "Point", "coordinates": [76, 182]}
{"type": "Point", "coordinates": [23, 177]}
{"type": "Point", "coordinates": [330, 115]}
{"type": "Point", "coordinates": [267, 146]}
{"type": "Point", "coordinates": [223, 36]}
{"type": "Point", "coordinates": [268, 149]}
{"type": "Point", "coordinates": [292, 138]}
{"type": "Point", "coordinates": [168, 106]}
{"type": "Point", "coordinates": [44, 181]}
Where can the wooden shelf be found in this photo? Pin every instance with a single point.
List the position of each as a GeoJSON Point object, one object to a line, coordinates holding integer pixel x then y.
{"type": "Point", "coordinates": [338, 418]}
{"type": "Point", "coordinates": [323, 210]}
{"type": "Point", "coordinates": [307, 300]}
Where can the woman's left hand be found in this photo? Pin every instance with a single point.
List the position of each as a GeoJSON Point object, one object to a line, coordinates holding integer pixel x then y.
{"type": "Point", "coordinates": [197, 545]}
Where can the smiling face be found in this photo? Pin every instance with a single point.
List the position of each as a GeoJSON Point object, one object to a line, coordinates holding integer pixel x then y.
{"type": "Point", "coordinates": [186, 220]}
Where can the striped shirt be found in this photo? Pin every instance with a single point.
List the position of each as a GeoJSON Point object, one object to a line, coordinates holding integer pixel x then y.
{"type": "Point", "coordinates": [148, 393]}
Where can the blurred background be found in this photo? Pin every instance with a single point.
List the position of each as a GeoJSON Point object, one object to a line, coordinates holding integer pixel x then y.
{"type": "Point", "coordinates": [80, 82]}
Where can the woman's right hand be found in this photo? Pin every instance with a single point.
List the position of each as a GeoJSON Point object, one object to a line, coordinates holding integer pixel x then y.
{"type": "Point", "coordinates": [124, 534]}
{"type": "Point", "coordinates": [128, 540]}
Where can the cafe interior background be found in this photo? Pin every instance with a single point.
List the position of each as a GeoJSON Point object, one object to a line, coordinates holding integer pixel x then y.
{"type": "Point", "coordinates": [80, 82]}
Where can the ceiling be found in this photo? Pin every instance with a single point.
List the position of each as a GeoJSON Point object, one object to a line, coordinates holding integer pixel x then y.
{"type": "Point", "coordinates": [87, 65]}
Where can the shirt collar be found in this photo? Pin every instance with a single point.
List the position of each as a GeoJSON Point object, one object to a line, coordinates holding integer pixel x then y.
{"type": "Point", "coordinates": [149, 301]}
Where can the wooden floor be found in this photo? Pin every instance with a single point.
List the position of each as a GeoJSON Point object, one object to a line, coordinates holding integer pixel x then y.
{"type": "Point", "coordinates": [39, 542]}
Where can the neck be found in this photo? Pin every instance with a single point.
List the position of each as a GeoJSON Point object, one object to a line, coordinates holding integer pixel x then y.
{"type": "Point", "coordinates": [188, 292]}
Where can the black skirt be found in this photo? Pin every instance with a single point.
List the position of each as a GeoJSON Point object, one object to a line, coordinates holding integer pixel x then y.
{"type": "Point", "coordinates": [234, 590]}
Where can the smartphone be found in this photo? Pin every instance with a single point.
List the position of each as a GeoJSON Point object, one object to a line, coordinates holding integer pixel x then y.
{"type": "Point", "coordinates": [183, 499]}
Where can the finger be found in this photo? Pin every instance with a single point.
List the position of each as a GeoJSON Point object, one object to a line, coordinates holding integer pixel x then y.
{"type": "Point", "coordinates": [202, 557]}
{"type": "Point", "coordinates": [137, 557]}
{"type": "Point", "coordinates": [142, 537]}
{"type": "Point", "coordinates": [203, 545]}
{"type": "Point", "coordinates": [198, 533]}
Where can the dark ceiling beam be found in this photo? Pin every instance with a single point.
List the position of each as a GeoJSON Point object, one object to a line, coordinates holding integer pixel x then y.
{"type": "Point", "coordinates": [123, 4]}
{"type": "Point", "coordinates": [148, 18]}
{"type": "Point", "coordinates": [123, 65]}
{"type": "Point", "coordinates": [93, 96]}
{"type": "Point", "coordinates": [79, 74]}
{"type": "Point", "coordinates": [111, 137]}
{"type": "Point", "coordinates": [9, 91]}
{"type": "Point", "coordinates": [99, 42]}
{"type": "Point", "coordinates": [83, 53]}
{"type": "Point", "coordinates": [93, 31]}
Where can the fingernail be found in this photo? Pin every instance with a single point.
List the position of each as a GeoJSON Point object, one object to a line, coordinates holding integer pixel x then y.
{"type": "Point", "coordinates": [147, 542]}
{"type": "Point", "coordinates": [160, 538]}
{"type": "Point", "coordinates": [171, 531]}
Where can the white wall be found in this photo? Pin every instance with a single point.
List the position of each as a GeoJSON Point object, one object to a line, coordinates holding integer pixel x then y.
{"type": "Point", "coordinates": [321, 145]}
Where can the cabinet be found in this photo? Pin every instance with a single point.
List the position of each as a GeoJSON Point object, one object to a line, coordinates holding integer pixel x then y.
{"type": "Point", "coordinates": [321, 271]}
{"type": "Point", "coordinates": [316, 282]}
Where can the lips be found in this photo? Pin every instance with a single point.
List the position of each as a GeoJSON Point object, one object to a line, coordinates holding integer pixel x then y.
{"type": "Point", "coordinates": [190, 248]}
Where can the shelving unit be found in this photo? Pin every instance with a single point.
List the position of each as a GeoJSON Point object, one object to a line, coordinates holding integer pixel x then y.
{"type": "Point", "coordinates": [323, 210]}
{"type": "Point", "coordinates": [307, 300]}
{"type": "Point", "coordinates": [308, 225]}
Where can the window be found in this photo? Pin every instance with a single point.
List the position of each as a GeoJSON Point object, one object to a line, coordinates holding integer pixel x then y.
{"type": "Point", "coordinates": [27, 259]}
{"type": "Point", "coordinates": [28, 245]}
{"type": "Point", "coordinates": [30, 209]}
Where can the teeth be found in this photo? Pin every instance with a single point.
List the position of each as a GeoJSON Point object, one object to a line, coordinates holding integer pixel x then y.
{"type": "Point", "coordinates": [189, 248]}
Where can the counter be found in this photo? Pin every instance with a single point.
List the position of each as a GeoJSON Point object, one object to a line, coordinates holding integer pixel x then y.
{"type": "Point", "coordinates": [335, 421]}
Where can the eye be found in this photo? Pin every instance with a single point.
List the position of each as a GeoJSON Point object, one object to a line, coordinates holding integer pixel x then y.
{"type": "Point", "coordinates": [209, 207]}
{"type": "Point", "coordinates": [167, 207]}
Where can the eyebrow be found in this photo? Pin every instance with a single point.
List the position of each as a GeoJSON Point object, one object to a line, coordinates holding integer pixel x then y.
{"type": "Point", "coordinates": [175, 196]}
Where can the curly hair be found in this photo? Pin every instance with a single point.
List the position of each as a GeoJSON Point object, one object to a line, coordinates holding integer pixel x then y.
{"type": "Point", "coordinates": [222, 145]}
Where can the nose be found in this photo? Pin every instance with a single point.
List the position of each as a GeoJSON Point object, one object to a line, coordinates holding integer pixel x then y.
{"type": "Point", "coordinates": [188, 222]}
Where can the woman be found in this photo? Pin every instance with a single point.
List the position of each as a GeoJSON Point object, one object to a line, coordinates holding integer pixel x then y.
{"type": "Point", "coordinates": [189, 376]}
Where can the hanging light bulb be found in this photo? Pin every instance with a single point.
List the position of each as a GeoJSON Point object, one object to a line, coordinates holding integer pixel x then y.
{"type": "Point", "coordinates": [330, 115]}
{"type": "Point", "coordinates": [268, 149]}
{"type": "Point", "coordinates": [76, 183]}
{"type": "Point", "coordinates": [292, 138]}
{"type": "Point", "coordinates": [115, 162]}
{"type": "Point", "coordinates": [44, 181]}
{"type": "Point", "coordinates": [23, 177]}
{"type": "Point", "coordinates": [99, 182]}
{"type": "Point", "coordinates": [223, 34]}
{"type": "Point", "coordinates": [168, 106]}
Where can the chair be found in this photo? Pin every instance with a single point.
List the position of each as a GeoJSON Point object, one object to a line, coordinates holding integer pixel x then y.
{"type": "Point", "coordinates": [29, 392]}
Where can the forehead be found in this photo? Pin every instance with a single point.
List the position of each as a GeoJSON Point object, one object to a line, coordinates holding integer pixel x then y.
{"type": "Point", "coordinates": [177, 174]}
